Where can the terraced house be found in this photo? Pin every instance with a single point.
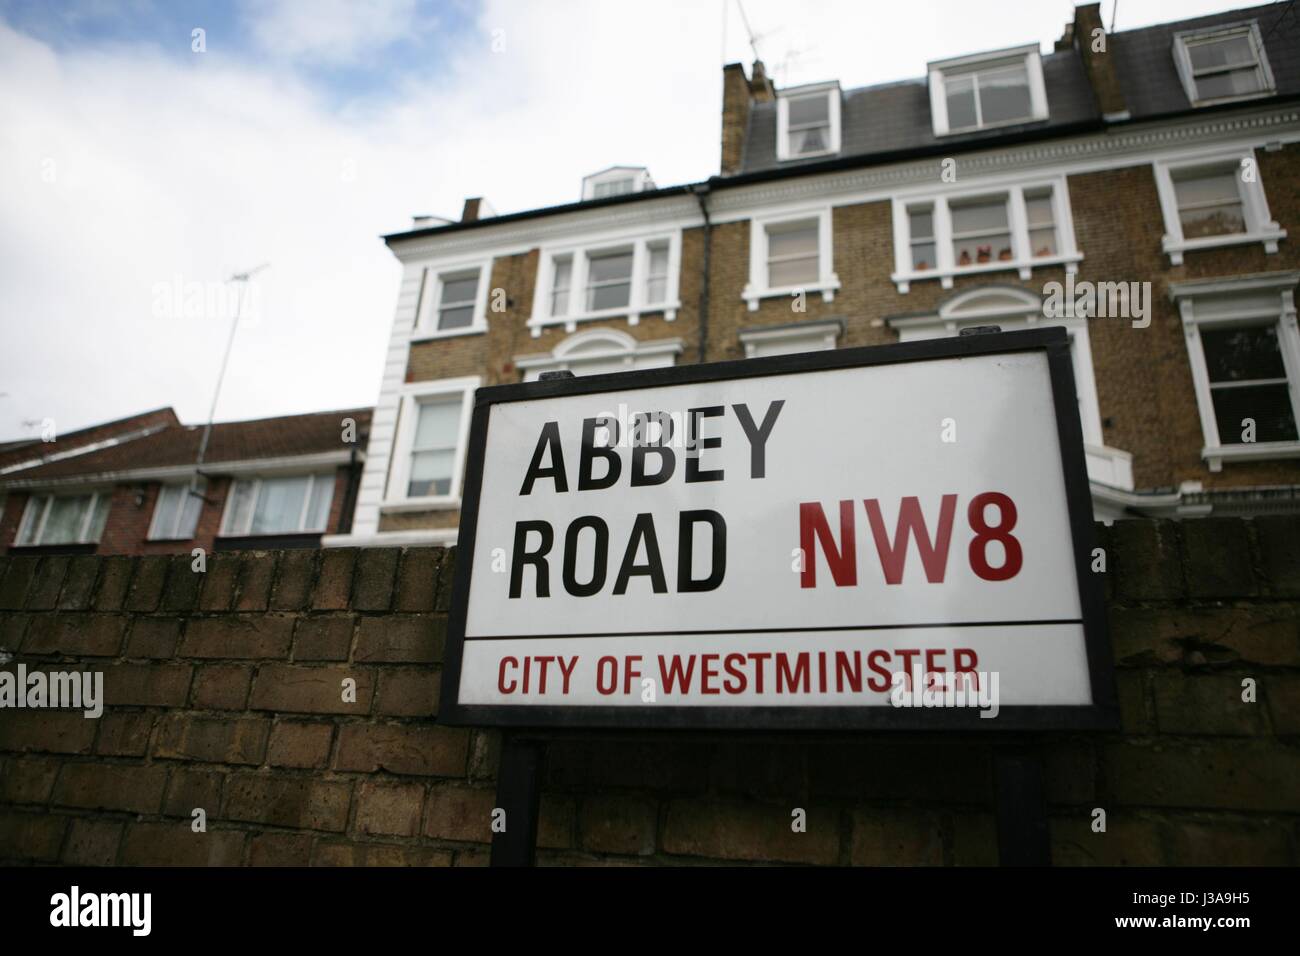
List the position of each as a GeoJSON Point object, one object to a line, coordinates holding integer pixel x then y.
{"type": "Point", "coordinates": [1165, 159]}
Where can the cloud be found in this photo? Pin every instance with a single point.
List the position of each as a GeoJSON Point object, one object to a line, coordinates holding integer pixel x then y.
{"type": "Point", "coordinates": [332, 32]}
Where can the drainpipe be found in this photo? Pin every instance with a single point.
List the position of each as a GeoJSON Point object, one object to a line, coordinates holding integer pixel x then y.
{"type": "Point", "coordinates": [701, 191]}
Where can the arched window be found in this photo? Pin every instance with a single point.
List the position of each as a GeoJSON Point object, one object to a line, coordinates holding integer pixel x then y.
{"type": "Point", "coordinates": [596, 351]}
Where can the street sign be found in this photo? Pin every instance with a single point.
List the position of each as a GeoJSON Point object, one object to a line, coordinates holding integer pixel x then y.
{"type": "Point", "coordinates": [898, 536]}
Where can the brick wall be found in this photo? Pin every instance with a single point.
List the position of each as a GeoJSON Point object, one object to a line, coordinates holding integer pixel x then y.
{"type": "Point", "coordinates": [223, 692]}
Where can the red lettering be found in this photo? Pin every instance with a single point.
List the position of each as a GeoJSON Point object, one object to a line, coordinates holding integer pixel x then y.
{"type": "Point", "coordinates": [708, 673]}
{"type": "Point", "coordinates": [893, 556]}
{"type": "Point", "coordinates": [791, 679]}
{"type": "Point", "coordinates": [603, 686]}
{"type": "Point", "coordinates": [630, 673]}
{"type": "Point", "coordinates": [852, 674]}
{"type": "Point", "coordinates": [732, 664]}
{"type": "Point", "coordinates": [883, 683]}
{"type": "Point", "coordinates": [501, 676]}
{"type": "Point", "coordinates": [843, 562]}
{"type": "Point", "coordinates": [672, 676]}
{"type": "Point", "coordinates": [1001, 533]}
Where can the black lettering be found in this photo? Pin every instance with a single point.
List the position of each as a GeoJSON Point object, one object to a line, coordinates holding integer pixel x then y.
{"type": "Point", "coordinates": [537, 559]}
{"type": "Point", "coordinates": [694, 443]}
{"type": "Point", "coordinates": [591, 451]}
{"type": "Point", "coordinates": [640, 448]}
{"type": "Point", "coordinates": [549, 438]}
{"type": "Point", "coordinates": [758, 436]}
{"type": "Point", "coordinates": [643, 527]}
{"type": "Point", "coordinates": [571, 556]}
{"type": "Point", "coordinates": [685, 541]}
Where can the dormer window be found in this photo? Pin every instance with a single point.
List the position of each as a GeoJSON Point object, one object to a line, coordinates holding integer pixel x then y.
{"type": "Point", "coordinates": [616, 181]}
{"type": "Point", "coordinates": [1223, 64]}
{"type": "Point", "coordinates": [808, 121]}
{"type": "Point", "coordinates": [987, 90]}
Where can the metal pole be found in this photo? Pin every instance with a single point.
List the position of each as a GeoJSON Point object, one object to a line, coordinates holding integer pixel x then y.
{"type": "Point", "coordinates": [1023, 838]}
{"type": "Point", "coordinates": [519, 794]}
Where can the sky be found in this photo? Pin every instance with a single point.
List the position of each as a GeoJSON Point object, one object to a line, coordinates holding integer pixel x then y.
{"type": "Point", "coordinates": [152, 149]}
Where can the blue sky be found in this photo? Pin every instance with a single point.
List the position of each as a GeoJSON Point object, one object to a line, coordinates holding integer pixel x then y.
{"type": "Point", "coordinates": [134, 170]}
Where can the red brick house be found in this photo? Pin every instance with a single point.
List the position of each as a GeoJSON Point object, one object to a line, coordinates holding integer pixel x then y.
{"type": "Point", "coordinates": [135, 485]}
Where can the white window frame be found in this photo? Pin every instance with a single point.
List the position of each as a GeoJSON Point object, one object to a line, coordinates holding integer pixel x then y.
{"type": "Point", "coordinates": [575, 352]}
{"type": "Point", "coordinates": [1183, 60]}
{"type": "Point", "coordinates": [47, 498]}
{"type": "Point", "coordinates": [832, 92]}
{"type": "Point", "coordinates": [1260, 226]}
{"type": "Point", "coordinates": [395, 496]}
{"type": "Point", "coordinates": [827, 282]}
{"type": "Point", "coordinates": [941, 70]}
{"type": "Point", "coordinates": [796, 337]}
{"type": "Point", "coordinates": [581, 255]}
{"type": "Point", "coordinates": [1256, 313]}
{"type": "Point", "coordinates": [228, 511]}
{"type": "Point", "coordinates": [173, 533]}
{"type": "Point", "coordinates": [430, 296]}
{"type": "Point", "coordinates": [1022, 261]}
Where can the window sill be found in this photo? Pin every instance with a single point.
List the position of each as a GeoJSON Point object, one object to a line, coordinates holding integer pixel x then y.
{"type": "Point", "coordinates": [1175, 248]}
{"type": "Point", "coordinates": [425, 335]}
{"type": "Point", "coordinates": [1219, 100]}
{"type": "Point", "coordinates": [1018, 121]}
{"type": "Point", "coordinates": [1253, 451]}
{"type": "Point", "coordinates": [438, 503]}
{"type": "Point", "coordinates": [814, 155]}
{"type": "Point", "coordinates": [827, 287]}
{"type": "Point", "coordinates": [633, 316]}
{"type": "Point", "coordinates": [1025, 267]}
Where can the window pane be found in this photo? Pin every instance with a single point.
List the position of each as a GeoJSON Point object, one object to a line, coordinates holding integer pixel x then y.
{"type": "Point", "coordinates": [430, 473]}
{"type": "Point", "coordinates": [437, 424]}
{"type": "Point", "coordinates": [1231, 83]}
{"type": "Point", "coordinates": [790, 272]}
{"type": "Point", "coordinates": [1268, 405]}
{"type": "Point", "coordinates": [985, 216]}
{"type": "Point", "coordinates": [609, 296]}
{"type": "Point", "coordinates": [165, 510]}
{"type": "Point", "coordinates": [792, 241]}
{"type": "Point", "coordinates": [923, 256]}
{"type": "Point", "coordinates": [961, 102]}
{"type": "Point", "coordinates": [814, 139]}
{"type": "Point", "coordinates": [1038, 210]}
{"type": "Point", "coordinates": [1228, 52]}
{"type": "Point", "coordinates": [318, 509]}
{"type": "Point", "coordinates": [31, 518]}
{"type": "Point", "coordinates": [460, 317]}
{"type": "Point", "coordinates": [1004, 96]}
{"type": "Point", "coordinates": [240, 509]}
{"type": "Point", "coordinates": [1218, 186]}
{"type": "Point", "coordinates": [656, 289]}
{"type": "Point", "coordinates": [1246, 354]}
{"type": "Point", "coordinates": [460, 290]}
{"type": "Point", "coordinates": [921, 223]}
{"type": "Point", "coordinates": [1042, 242]}
{"type": "Point", "coordinates": [615, 188]}
{"type": "Point", "coordinates": [193, 505]}
{"type": "Point", "coordinates": [615, 266]}
{"type": "Point", "coordinates": [63, 526]}
{"type": "Point", "coordinates": [1212, 221]}
{"type": "Point", "coordinates": [279, 506]}
{"type": "Point", "coordinates": [809, 110]}
{"type": "Point", "coordinates": [99, 518]}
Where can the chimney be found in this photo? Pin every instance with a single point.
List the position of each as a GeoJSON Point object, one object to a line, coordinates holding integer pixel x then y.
{"type": "Point", "coordinates": [476, 208]}
{"type": "Point", "coordinates": [738, 92]}
{"type": "Point", "coordinates": [1094, 47]}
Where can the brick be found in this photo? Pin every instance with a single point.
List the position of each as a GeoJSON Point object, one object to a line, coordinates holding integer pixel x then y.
{"type": "Point", "coordinates": [240, 740]}
{"type": "Point", "coordinates": [301, 802]}
{"type": "Point", "coordinates": [239, 637]}
{"type": "Point", "coordinates": [12, 627]}
{"type": "Point", "coordinates": [1148, 560]}
{"type": "Point", "coordinates": [1129, 840]}
{"type": "Point", "coordinates": [446, 581]}
{"type": "Point", "coordinates": [79, 585]}
{"type": "Point", "coordinates": [48, 731]}
{"type": "Point", "coordinates": [279, 849]}
{"type": "Point", "coordinates": [124, 734]}
{"type": "Point", "coordinates": [1137, 714]}
{"type": "Point", "coordinates": [310, 690]}
{"type": "Point", "coordinates": [147, 583]}
{"type": "Point", "coordinates": [1208, 704]}
{"type": "Point", "coordinates": [408, 692]}
{"type": "Point", "coordinates": [372, 589]}
{"type": "Point", "coordinates": [17, 580]}
{"type": "Point", "coordinates": [417, 582]}
{"type": "Point", "coordinates": [457, 812]}
{"type": "Point", "coordinates": [334, 580]}
{"type": "Point", "coordinates": [1070, 772]}
{"type": "Point", "coordinates": [296, 743]}
{"type": "Point", "coordinates": [1217, 558]}
{"type": "Point", "coordinates": [389, 809]}
{"type": "Point", "coordinates": [114, 579]}
{"type": "Point", "coordinates": [377, 854]}
{"type": "Point", "coordinates": [43, 594]}
{"type": "Point", "coordinates": [427, 751]}
{"type": "Point", "coordinates": [219, 581]}
{"type": "Point", "coordinates": [1281, 694]}
{"type": "Point", "coordinates": [555, 822]}
{"type": "Point", "coordinates": [1260, 635]}
{"type": "Point", "coordinates": [76, 635]}
{"type": "Point", "coordinates": [30, 837]}
{"type": "Point", "coordinates": [327, 638]}
{"type": "Point", "coordinates": [484, 754]}
{"type": "Point", "coordinates": [1279, 551]}
{"type": "Point", "coordinates": [618, 824]}
{"type": "Point", "coordinates": [102, 786]}
{"type": "Point", "coordinates": [400, 639]}
{"type": "Point", "coordinates": [293, 587]}
{"type": "Point", "coordinates": [176, 844]}
{"type": "Point", "coordinates": [1231, 843]}
{"type": "Point", "coordinates": [27, 779]}
{"type": "Point", "coordinates": [92, 843]}
{"type": "Point", "coordinates": [888, 837]}
{"type": "Point", "coordinates": [256, 575]}
{"type": "Point", "coordinates": [181, 592]}
{"type": "Point", "coordinates": [154, 637]}
{"type": "Point", "coordinates": [221, 686]}
{"type": "Point", "coordinates": [147, 685]}
{"type": "Point", "coordinates": [974, 839]}
{"type": "Point", "coordinates": [921, 769]}
{"type": "Point", "coordinates": [593, 764]}
{"type": "Point", "coordinates": [1231, 774]}
{"type": "Point", "coordinates": [190, 789]}
{"type": "Point", "coordinates": [769, 769]}
{"type": "Point", "coordinates": [746, 831]}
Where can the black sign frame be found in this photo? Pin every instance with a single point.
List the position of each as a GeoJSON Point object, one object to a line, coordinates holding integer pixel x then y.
{"type": "Point", "coordinates": [1102, 714]}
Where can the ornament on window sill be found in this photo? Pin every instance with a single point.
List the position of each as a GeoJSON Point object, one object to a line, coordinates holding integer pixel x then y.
{"type": "Point", "coordinates": [1044, 251]}
{"type": "Point", "coordinates": [1004, 255]}
{"type": "Point", "coordinates": [922, 266]}
{"type": "Point", "coordinates": [965, 258]}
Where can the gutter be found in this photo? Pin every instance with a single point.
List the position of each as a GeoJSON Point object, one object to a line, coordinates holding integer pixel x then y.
{"type": "Point", "coordinates": [252, 466]}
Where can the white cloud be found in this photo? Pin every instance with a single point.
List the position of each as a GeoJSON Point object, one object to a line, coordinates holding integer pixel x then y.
{"type": "Point", "coordinates": [331, 31]}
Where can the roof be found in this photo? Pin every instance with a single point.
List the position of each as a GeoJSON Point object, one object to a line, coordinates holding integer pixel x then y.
{"type": "Point", "coordinates": [24, 450]}
{"type": "Point", "coordinates": [288, 436]}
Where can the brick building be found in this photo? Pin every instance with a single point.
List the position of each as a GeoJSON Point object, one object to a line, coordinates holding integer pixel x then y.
{"type": "Point", "coordinates": [1152, 173]}
{"type": "Point", "coordinates": [135, 485]}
